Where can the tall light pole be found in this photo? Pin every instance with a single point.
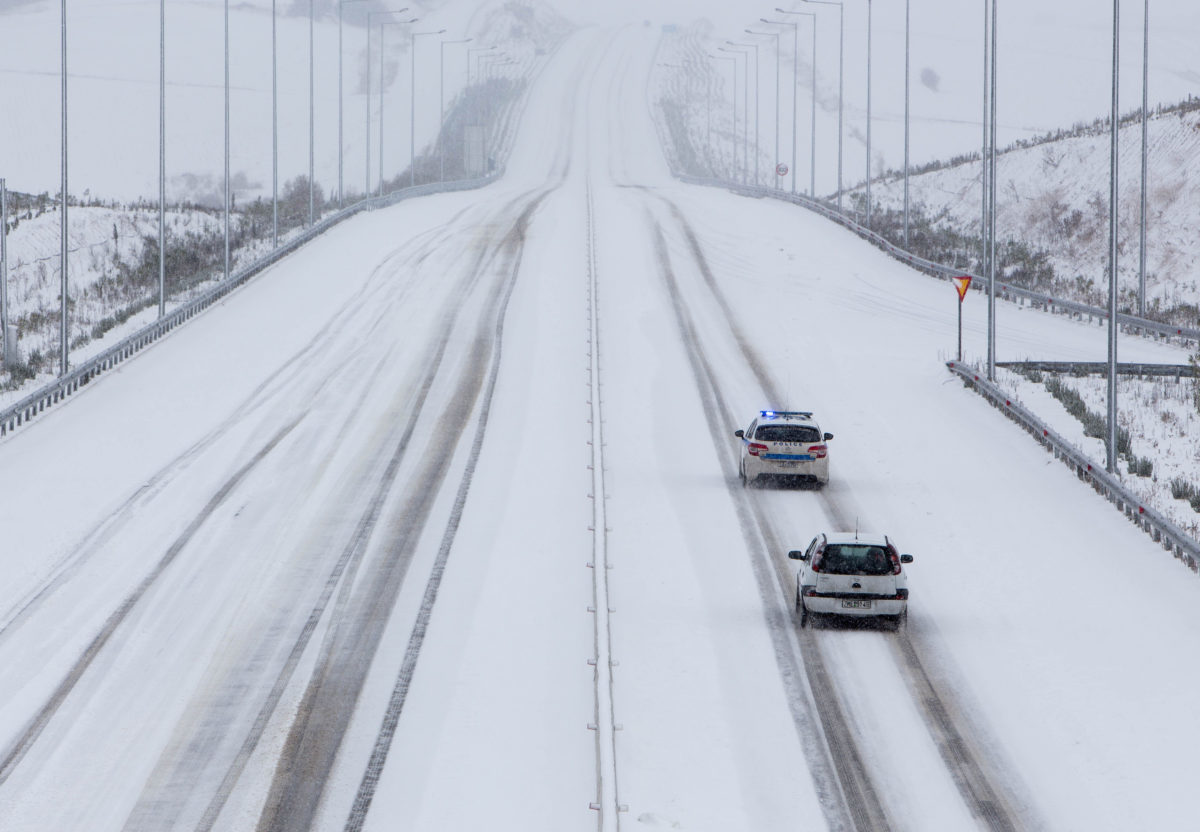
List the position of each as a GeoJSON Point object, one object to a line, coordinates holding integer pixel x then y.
{"type": "Point", "coordinates": [367, 141]}
{"type": "Point", "coordinates": [1145, 156]}
{"type": "Point", "coordinates": [745, 56]}
{"type": "Point", "coordinates": [162, 162]}
{"type": "Point", "coordinates": [841, 76]}
{"type": "Point", "coordinates": [226, 139]}
{"type": "Point", "coordinates": [62, 324]}
{"type": "Point", "coordinates": [1112, 240]}
{"type": "Point", "coordinates": [907, 103]}
{"type": "Point", "coordinates": [311, 114]}
{"type": "Point", "coordinates": [733, 135]}
{"type": "Point", "coordinates": [341, 139]}
{"type": "Point", "coordinates": [757, 153]}
{"type": "Point", "coordinates": [795, 82]}
{"type": "Point", "coordinates": [984, 159]}
{"type": "Point", "coordinates": [381, 57]}
{"type": "Point", "coordinates": [869, 4]}
{"type": "Point", "coordinates": [778, 61]}
{"type": "Point", "coordinates": [275, 127]}
{"type": "Point", "coordinates": [812, 118]}
{"type": "Point", "coordinates": [4, 345]}
{"type": "Point", "coordinates": [412, 112]}
{"type": "Point", "coordinates": [442, 105]}
{"type": "Point", "coordinates": [991, 345]}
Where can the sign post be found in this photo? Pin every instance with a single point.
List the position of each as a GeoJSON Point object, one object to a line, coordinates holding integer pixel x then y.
{"type": "Point", "coordinates": [961, 284]}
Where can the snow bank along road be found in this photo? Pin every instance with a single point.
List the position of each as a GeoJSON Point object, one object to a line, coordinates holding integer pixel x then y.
{"type": "Point", "coordinates": [321, 559]}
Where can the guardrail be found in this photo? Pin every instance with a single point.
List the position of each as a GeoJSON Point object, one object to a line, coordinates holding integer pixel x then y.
{"type": "Point", "coordinates": [1100, 368]}
{"type": "Point", "coordinates": [1006, 290]}
{"type": "Point", "coordinates": [1173, 539]}
{"type": "Point", "coordinates": [29, 407]}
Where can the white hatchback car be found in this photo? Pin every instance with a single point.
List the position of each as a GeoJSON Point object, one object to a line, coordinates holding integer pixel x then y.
{"type": "Point", "coordinates": [852, 574]}
{"type": "Point", "coordinates": [784, 444]}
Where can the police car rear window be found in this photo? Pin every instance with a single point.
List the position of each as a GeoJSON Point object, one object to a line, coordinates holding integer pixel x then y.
{"type": "Point", "coordinates": [788, 433]}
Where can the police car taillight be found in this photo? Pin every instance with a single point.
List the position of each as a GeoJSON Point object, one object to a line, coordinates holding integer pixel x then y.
{"type": "Point", "coordinates": [756, 448]}
{"type": "Point", "coordinates": [819, 451]}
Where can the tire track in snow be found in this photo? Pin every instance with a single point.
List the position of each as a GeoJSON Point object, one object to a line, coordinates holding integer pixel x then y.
{"type": "Point", "coordinates": [174, 782]}
{"type": "Point", "coordinates": [327, 707]}
{"type": "Point", "coordinates": [837, 771]}
{"type": "Point", "coordinates": [948, 728]}
{"type": "Point", "coordinates": [17, 750]}
{"type": "Point", "coordinates": [399, 696]}
{"type": "Point", "coordinates": [262, 395]}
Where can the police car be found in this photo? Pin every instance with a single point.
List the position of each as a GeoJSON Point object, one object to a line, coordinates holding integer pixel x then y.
{"type": "Point", "coordinates": [784, 443]}
{"type": "Point", "coordinates": [852, 574]}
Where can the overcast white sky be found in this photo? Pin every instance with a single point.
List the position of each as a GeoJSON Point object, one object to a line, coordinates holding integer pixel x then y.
{"type": "Point", "coordinates": [1055, 60]}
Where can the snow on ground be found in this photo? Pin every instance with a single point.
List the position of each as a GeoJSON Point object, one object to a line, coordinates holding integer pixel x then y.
{"type": "Point", "coordinates": [1162, 416]}
{"type": "Point", "coordinates": [1054, 197]}
{"type": "Point", "coordinates": [259, 435]}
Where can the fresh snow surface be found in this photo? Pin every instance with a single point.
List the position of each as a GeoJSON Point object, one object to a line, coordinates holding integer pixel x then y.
{"type": "Point", "coordinates": [1054, 197]}
{"type": "Point", "coordinates": [200, 498]}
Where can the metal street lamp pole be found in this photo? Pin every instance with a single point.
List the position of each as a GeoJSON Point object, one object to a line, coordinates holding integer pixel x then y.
{"type": "Point", "coordinates": [275, 128]}
{"type": "Point", "coordinates": [812, 165]}
{"type": "Point", "coordinates": [367, 152]}
{"type": "Point", "coordinates": [991, 347]}
{"type": "Point", "coordinates": [442, 105]}
{"type": "Point", "coordinates": [1145, 155]}
{"type": "Point", "coordinates": [63, 340]}
{"type": "Point", "coordinates": [382, 53]}
{"type": "Point", "coordinates": [733, 135]}
{"type": "Point", "coordinates": [162, 163]}
{"type": "Point", "coordinates": [745, 105]}
{"type": "Point", "coordinates": [983, 155]}
{"type": "Point", "coordinates": [311, 113]}
{"type": "Point", "coordinates": [795, 81]}
{"type": "Point", "coordinates": [341, 139]}
{"type": "Point", "coordinates": [226, 139]}
{"type": "Point", "coordinates": [869, 5]}
{"type": "Point", "coordinates": [907, 108]}
{"type": "Point", "coordinates": [1112, 241]}
{"type": "Point", "coordinates": [757, 90]}
{"type": "Point", "coordinates": [841, 76]}
{"type": "Point", "coordinates": [412, 111]}
{"type": "Point", "coordinates": [778, 61]}
{"type": "Point", "coordinates": [4, 345]}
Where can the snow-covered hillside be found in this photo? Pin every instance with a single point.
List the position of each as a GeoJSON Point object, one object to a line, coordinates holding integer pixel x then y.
{"type": "Point", "coordinates": [1053, 196]}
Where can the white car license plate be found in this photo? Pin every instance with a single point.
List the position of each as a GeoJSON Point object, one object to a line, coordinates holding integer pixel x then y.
{"type": "Point", "coordinates": [856, 605]}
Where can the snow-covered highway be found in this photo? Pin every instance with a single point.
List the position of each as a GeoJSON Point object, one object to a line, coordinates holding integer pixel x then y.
{"type": "Point", "coordinates": [323, 558]}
